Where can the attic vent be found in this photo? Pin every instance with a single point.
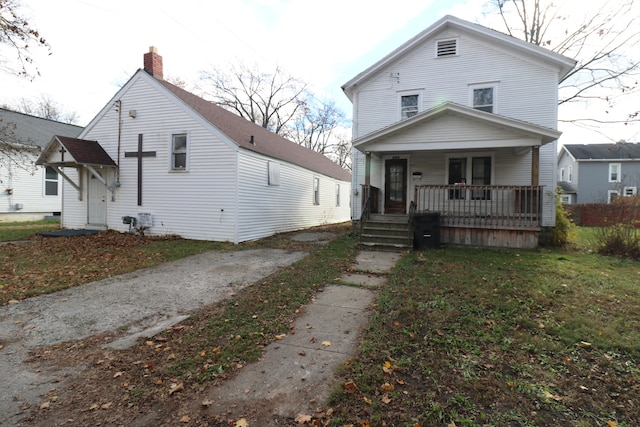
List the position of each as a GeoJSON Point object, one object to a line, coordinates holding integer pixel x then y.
{"type": "Point", "coordinates": [447, 47]}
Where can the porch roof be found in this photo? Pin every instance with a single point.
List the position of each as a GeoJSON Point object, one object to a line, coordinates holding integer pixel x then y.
{"type": "Point", "coordinates": [424, 131]}
{"type": "Point", "coordinates": [64, 151]}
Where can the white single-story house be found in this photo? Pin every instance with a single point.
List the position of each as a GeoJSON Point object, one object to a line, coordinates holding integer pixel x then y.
{"type": "Point", "coordinates": [28, 192]}
{"type": "Point", "coordinates": [164, 161]}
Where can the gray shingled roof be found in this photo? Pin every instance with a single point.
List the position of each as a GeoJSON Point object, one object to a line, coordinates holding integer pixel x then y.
{"type": "Point", "coordinates": [241, 130]}
{"type": "Point", "coordinates": [617, 151]}
{"type": "Point", "coordinates": [31, 130]}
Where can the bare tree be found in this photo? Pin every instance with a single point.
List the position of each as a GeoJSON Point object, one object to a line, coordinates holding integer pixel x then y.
{"type": "Point", "coordinates": [315, 125]}
{"type": "Point", "coordinates": [45, 108]}
{"type": "Point", "coordinates": [17, 34]}
{"type": "Point", "coordinates": [270, 100]}
{"type": "Point", "coordinates": [280, 103]}
{"type": "Point", "coordinates": [600, 35]}
{"type": "Point", "coordinates": [15, 153]}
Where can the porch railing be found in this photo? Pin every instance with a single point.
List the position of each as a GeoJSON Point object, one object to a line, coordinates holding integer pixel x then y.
{"type": "Point", "coordinates": [482, 206]}
{"type": "Point", "coordinates": [370, 199]}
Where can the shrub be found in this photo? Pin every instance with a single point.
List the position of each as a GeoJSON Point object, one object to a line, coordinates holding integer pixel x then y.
{"type": "Point", "coordinates": [619, 240]}
{"type": "Point", "coordinates": [564, 234]}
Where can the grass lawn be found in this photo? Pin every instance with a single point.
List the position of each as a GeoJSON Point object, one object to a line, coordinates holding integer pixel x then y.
{"type": "Point", "coordinates": [464, 337]}
{"type": "Point", "coordinates": [11, 231]}
{"type": "Point", "coordinates": [470, 337]}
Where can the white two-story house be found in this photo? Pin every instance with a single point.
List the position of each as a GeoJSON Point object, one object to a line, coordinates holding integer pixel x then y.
{"type": "Point", "coordinates": [460, 121]}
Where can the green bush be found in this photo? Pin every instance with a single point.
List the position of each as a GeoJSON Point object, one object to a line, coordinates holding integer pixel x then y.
{"type": "Point", "coordinates": [564, 234]}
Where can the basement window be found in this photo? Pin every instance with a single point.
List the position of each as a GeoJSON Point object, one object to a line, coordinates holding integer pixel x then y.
{"type": "Point", "coordinates": [448, 47]}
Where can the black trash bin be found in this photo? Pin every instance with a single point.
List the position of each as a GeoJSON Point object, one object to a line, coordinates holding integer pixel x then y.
{"type": "Point", "coordinates": [426, 230]}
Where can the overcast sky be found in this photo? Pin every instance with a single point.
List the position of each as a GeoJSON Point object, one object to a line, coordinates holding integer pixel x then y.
{"type": "Point", "coordinates": [98, 45]}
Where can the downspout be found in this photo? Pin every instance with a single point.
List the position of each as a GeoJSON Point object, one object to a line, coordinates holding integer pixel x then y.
{"type": "Point", "coordinates": [119, 108]}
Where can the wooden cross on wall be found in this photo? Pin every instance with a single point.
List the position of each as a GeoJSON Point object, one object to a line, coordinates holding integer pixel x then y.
{"type": "Point", "coordinates": [140, 154]}
{"type": "Point", "coordinates": [62, 151]}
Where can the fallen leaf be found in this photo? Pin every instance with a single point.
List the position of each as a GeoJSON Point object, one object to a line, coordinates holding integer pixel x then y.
{"type": "Point", "coordinates": [45, 405]}
{"type": "Point", "coordinates": [207, 402]}
{"type": "Point", "coordinates": [175, 388]}
{"type": "Point", "coordinates": [118, 374]}
{"type": "Point", "coordinates": [326, 344]}
{"type": "Point", "coordinates": [94, 406]}
{"type": "Point", "coordinates": [185, 419]}
{"type": "Point", "coordinates": [367, 400]}
{"type": "Point", "coordinates": [585, 344]}
{"type": "Point", "coordinates": [386, 398]}
{"type": "Point", "coordinates": [612, 424]}
{"type": "Point", "coordinates": [302, 418]}
{"type": "Point", "coordinates": [242, 422]}
{"type": "Point", "coordinates": [279, 337]}
{"type": "Point", "coordinates": [148, 343]}
{"type": "Point", "coordinates": [387, 387]}
{"type": "Point", "coordinates": [106, 405]}
{"type": "Point", "coordinates": [350, 387]}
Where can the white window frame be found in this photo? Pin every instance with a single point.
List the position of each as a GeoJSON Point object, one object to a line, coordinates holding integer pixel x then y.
{"type": "Point", "coordinates": [618, 172]}
{"type": "Point", "coordinates": [611, 193]}
{"type": "Point", "coordinates": [316, 190]}
{"type": "Point", "coordinates": [173, 152]}
{"type": "Point", "coordinates": [469, 172]}
{"type": "Point", "coordinates": [565, 199]}
{"type": "Point", "coordinates": [570, 177]}
{"type": "Point", "coordinates": [418, 94]}
{"type": "Point", "coordinates": [51, 180]}
{"type": "Point", "coordinates": [273, 174]}
{"type": "Point", "coordinates": [456, 40]}
{"type": "Point", "coordinates": [489, 85]}
{"type": "Point", "coordinates": [337, 195]}
{"type": "Point", "coordinates": [561, 177]}
{"type": "Point", "coordinates": [629, 191]}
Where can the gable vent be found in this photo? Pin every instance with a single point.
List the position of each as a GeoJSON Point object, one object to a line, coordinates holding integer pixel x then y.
{"type": "Point", "coordinates": [447, 47]}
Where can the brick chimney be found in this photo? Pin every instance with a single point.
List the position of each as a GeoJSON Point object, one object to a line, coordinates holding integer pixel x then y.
{"type": "Point", "coordinates": [153, 62]}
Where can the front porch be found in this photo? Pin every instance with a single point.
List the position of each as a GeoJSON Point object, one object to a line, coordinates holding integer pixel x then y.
{"type": "Point", "coordinates": [476, 215]}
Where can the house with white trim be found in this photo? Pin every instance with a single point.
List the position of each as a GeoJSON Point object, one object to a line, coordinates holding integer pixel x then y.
{"type": "Point", "coordinates": [598, 173]}
{"type": "Point", "coordinates": [28, 192]}
{"type": "Point", "coordinates": [161, 160]}
{"type": "Point", "coordinates": [459, 122]}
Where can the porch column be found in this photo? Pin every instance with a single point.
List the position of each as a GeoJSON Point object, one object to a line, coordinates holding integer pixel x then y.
{"type": "Point", "coordinates": [535, 165]}
{"type": "Point", "coordinates": [367, 169]}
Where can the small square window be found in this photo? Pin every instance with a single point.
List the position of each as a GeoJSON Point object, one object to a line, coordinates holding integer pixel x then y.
{"type": "Point", "coordinates": [179, 151]}
{"type": "Point", "coordinates": [274, 173]}
{"type": "Point", "coordinates": [408, 106]}
{"type": "Point", "coordinates": [483, 99]}
{"type": "Point", "coordinates": [612, 195]}
{"type": "Point", "coordinates": [629, 191]}
{"type": "Point", "coordinates": [337, 194]}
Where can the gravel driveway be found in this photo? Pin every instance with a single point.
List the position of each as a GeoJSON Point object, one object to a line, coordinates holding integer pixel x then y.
{"type": "Point", "coordinates": [134, 301]}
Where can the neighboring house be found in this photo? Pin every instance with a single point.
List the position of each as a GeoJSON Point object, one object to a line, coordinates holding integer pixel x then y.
{"type": "Point", "coordinates": [460, 121]}
{"type": "Point", "coordinates": [28, 192]}
{"type": "Point", "coordinates": [160, 159]}
{"type": "Point", "coordinates": [598, 173]}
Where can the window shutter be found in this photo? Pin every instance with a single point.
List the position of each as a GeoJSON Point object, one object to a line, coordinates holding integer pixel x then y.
{"type": "Point", "coordinates": [447, 47]}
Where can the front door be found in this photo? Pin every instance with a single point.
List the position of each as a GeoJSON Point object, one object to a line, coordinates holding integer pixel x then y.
{"type": "Point", "coordinates": [96, 200]}
{"type": "Point", "coordinates": [395, 186]}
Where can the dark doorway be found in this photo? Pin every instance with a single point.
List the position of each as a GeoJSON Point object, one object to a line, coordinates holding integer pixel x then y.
{"type": "Point", "coordinates": [395, 186]}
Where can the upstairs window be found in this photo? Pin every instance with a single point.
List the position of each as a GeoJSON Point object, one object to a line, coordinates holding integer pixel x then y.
{"type": "Point", "coordinates": [570, 173]}
{"type": "Point", "coordinates": [179, 151]}
{"type": "Point", "coordinates": [408, 106]}
{"type": "Point", "coordinates": [483, 99]}
{"type": "Point", "coordinates": [448, 47]}
{"type": "Point", "coordinates": [614, 172]}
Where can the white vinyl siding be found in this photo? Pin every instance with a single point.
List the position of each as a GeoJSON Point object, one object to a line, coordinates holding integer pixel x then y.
{"type": "Point", "coordinates": [451, 76]}
{"type": "Point", "coordinates": [286, 207]}
{"type": "Point", "coordinates": [198, 205]}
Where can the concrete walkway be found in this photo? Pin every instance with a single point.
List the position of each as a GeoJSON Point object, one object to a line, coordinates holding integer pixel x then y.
{"type": "Point", "coordinates": [296, 374]}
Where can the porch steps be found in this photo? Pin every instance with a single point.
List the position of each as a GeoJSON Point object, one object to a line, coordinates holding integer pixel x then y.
{"type": "Point", "coordinates": [387, 233]}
